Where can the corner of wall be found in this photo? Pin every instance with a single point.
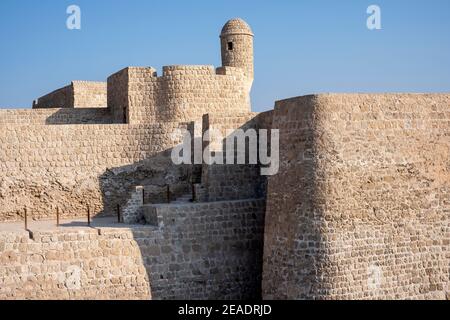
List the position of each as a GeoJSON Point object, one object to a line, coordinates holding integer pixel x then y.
{"type": "Point", "coordinates": [117, 95]}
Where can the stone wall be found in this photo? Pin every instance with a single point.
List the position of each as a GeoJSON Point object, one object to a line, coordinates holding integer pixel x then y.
{"type": "Point", "coordinates": [88, 94]}
{"type": "Point", "coordinates": [73, 166]}
{"type": "Point", "coordinates": [232, 182]}
{"type": "Point", "coordinates": [74, 264]}
{"type": "Point", "coordinates": [197, 251]}
{"type": "Point", "coordinates": [182, 93]}
{"type": "Point", "coordinates": [53, 116]}
{"type": "Point", "coordinates": [79, 94]}
{"type": "Point", "coordinates": [360, 208]}
{"type": "Point", "coordinates": [60, 98]}
{"type": "Point", "coordinates": [206, 250]}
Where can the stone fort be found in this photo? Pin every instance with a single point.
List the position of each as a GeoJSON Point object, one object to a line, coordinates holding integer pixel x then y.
{"type": "Point", "coordinates": [358, 210]}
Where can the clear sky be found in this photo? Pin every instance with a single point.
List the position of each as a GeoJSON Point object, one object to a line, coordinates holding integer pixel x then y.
{"type": "Point", "coordinates": [301, 47]}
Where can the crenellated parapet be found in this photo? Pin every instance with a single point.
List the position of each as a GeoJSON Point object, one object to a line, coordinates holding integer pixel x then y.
{"type": "Point", "coordinates": [137, 95]}
{"type": "Point", "coordinates": [182, 93]}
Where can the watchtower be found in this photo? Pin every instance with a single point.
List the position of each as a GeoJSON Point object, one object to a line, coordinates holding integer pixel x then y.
{"type": "Point", "coordinates": [237, 46]}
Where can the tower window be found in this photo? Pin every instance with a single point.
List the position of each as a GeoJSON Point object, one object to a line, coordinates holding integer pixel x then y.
{"type": "Point", "coordinates": [230, 46]}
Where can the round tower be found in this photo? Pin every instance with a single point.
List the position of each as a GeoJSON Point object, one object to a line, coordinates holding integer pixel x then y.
{"type": "Point", "coordinates": [237, 46]}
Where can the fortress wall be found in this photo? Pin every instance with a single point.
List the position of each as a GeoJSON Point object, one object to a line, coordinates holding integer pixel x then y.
{"type": "Point", "coordinates": [52, 116]}
{"type": "Point", "coordinates": [60, 98]}
{"type": "Point", "coordinates": [229, 182]}
{"type": "Point", "coordinates": [144, 89]}
{"type": "Point", "coordinates": [202, 251]}
{"type": "Point", "coordinates": [79, 94]}
{"type": "Point", "coordinates": [360, 208]}
{"type": "Point", "coordinates": [89, 94]}
{"type": "Point", "coordinates": [182, 93]}
{"type": "Point", "coordinates": [206, 250]}
{"type": "Point", "coordinates": [190, 92]}
{"type": "Point", "coordinates": [117, 95]}
{"type": "Point", "coordinates": [72, 166]}
{"type": "Point", "coordinates": [73, 264]}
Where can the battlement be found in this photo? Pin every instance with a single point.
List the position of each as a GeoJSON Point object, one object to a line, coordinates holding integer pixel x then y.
{"type": "Point", "coordinates": [90, 84]}
{"type": "Point", "coordinates": [179, 70]}
{"type": "Point", "coordinates": [182, 93]}
{"type": "Point", "coordinates": [201, 70]}
{"type": "Point", "coordinates": [187, 70]}
{"type": "Point", "coordinates": [148, 71]}
{"type": "Point", "coordinates": [137, 95]}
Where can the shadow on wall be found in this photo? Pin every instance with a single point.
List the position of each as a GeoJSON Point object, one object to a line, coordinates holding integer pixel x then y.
{"type": "Point", "coordinates": [360, 184]}
{"type": "Point", "coordinates": [237, 181]}
{"type": "Point", "coordinates": [197, 251]}
{"type": "Point", "coordinates": [201, 250]}
{"type": "Point", "coordinates": [154, 174]}
{"type": "Point", "coordinates": [80, 116]}
{"type": "Point", "coordinates": [299, 231]}
{"type": "Point", "coordinates": [209, 250]}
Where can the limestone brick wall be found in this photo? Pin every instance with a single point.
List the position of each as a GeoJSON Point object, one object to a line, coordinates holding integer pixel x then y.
{"type": "Point", "coordinates": [53, 116]}
{"type": "Point", "coordinates": [203, 251]}
{"type": "Point", "coordinates": [119, 89]}
{"type": "Point", "coordinates": [206, 250]}
{"type": "Point", "coordinates": [360, 208]}
{"type": "Point", "coordinates": [79, 94]}
{"type": "Point", "coordinates": [132, 211]}
{"type": "Point", "coordinates": [60, 98]}
{"type": "Point", "coordinates": [75, 264]}
{"type": "Point", "coordinates": [72, 166]}
{"type": "Point", "coordinates": [182, 93]}
{"type": "Point", "coordinates": [244, 58]}
{"type": "Point", "coordinates": [228, 182]}
{"type": "Point", "coordinates": [89, 94]}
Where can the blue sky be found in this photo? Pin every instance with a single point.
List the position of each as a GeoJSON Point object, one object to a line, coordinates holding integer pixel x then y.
{"type": "Point", "coordinates": [301, 47]}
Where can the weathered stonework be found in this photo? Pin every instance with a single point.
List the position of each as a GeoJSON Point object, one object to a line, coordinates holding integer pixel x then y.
{"type": "Point", "coordinates": [210, 250]}
{"type": "Point", "coordinates": [232, 182]}
{"type": "Point", "coordinates": [237, 46]}
{"type": "Point", "coordinates": [71, 153]}
{"type": "Point", "coordinates": [182, 93]}
{"type": "Point", "coordinates": [359, 210]}
{"type": "Point", "coordinates": [55, 116]}
{"type": "Point", "coordinates": [132, 212]}
{"type": "Point", "coordinates": [370, 216]}
{"type": "Point", "coordinates": [79, 94]}
{"type": "Point", "coordinates": [71, 167]}
{"type": "Point", "coordinates": [77, 264]}
{"type": "Point", "coordinates": [205, 251]}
